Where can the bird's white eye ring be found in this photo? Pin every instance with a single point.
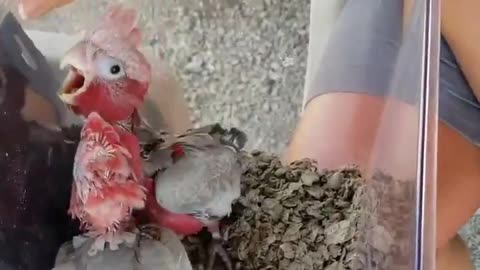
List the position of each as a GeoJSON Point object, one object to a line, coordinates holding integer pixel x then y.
{"type": "Point", "coordinates": [109, 68]}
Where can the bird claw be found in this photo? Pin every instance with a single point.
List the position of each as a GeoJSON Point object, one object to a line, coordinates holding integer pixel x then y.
{"type": "Point", "coordinates": [215, 248]}
{"type": "Point", "coordinates": [113, 239]}
{"type": "Point", "coordinates": [129, 238]}
{"type": "Point", "coordinates": [78, 241]}
{"type": "Point", "coordinates": [97, 245]}
{"type": "Point", "coordinates": [114, 243]}
{"type": "Point", "coordinates": [149, 231]}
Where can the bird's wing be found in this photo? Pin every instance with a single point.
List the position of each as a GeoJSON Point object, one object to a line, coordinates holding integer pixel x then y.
{"type": "Point", "coordinates": [202, 183]}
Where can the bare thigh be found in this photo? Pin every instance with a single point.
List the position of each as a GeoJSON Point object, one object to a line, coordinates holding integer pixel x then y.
{"type": "Point", "coordinates": [458, 183]}
{"type": "Point", "coordinates": [455, 256]}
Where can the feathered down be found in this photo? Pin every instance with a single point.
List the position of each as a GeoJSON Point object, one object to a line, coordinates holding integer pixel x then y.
{"type": "Point", "coordinates": [105, 189]}
{"type": "Point", "coordinates": [197, 177]}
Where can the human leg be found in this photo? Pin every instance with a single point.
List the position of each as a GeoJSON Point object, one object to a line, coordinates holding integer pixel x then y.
{"type": "Point", "coordinates": [454, 256]}
{"type": "Point", "coordinates": [347, 82]}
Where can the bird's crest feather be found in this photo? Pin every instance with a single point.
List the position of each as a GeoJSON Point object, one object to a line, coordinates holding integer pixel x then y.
{"type": "Point", "coordinates": [120, 21]}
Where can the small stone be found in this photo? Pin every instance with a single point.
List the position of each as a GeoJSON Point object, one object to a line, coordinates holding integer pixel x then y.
{"type": "Point", "coordinates": [288, 250]}
{"type": "Point", "coordinates": [280, 172]}
{"type": "Point", "coordinates": [195, 66]}
{"type": "Point", "coordinates": [292, 233]}
{"type": "Point", "coordinates": [309, 177]}
{"type": "Point", "coordinates": [335, 180]}
{"type": "Point", "coordinates": [296, 265]}
{"type": "Point", "coordinates": [335, 266]}
{"type": "Point", "coordinates": [338, 233]}
{"type": "Point", "coordinates": [335, 251]}
{"type": "Point", "coordinates": [315, 191]}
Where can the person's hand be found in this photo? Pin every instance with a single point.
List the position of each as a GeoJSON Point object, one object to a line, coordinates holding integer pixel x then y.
{"type": "Point", "coordinates": [29, 9]}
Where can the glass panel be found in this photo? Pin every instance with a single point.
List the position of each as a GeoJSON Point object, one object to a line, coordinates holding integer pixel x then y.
{"type": "Point", "coordinates": [379, 64]}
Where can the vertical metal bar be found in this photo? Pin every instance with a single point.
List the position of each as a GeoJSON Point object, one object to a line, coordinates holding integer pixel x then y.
{"type": "Point", "coordinates": [426, 173]}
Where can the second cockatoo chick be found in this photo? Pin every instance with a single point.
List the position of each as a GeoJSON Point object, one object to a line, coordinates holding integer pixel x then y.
{"type": "Point", "coordinates": [196, 179]}
{"type": "Point", "coordinates": [106, 188]}
{"type": "Point", "coordinates": [106, 71]}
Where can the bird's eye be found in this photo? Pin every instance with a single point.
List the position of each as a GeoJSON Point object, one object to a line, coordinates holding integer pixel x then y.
{"type": "Point", "coordinates": [115, 69]}
{"type": "Point", "coordinates": [109, 68]}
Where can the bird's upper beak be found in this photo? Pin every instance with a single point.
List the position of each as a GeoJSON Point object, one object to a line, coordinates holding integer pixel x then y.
{"type": "Point", "coordinates": [77, 80]}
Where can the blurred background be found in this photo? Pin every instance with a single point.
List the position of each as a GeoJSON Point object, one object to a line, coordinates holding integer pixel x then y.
{"type": "Point", "coordinates": [240, 62]}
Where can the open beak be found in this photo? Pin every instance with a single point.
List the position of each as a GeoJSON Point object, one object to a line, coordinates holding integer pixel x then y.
{"type": "Point", "coordinates": [77, 80]}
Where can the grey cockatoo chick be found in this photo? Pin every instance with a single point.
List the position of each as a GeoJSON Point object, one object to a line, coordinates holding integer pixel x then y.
{"type": "Point", "coordinates": [165, 252]}
{"type": "Point", "coordinates": [196, 179]}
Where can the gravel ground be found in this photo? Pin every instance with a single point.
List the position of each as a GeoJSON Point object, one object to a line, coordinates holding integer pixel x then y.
{"type": "Point", "coordinates": [211, 46]}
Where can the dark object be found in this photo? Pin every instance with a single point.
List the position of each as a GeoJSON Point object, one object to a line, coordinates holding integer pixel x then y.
{"type": "Point", "coordinates": [35, 176]}
{"type": "Point", "coordinates": [18, 50]}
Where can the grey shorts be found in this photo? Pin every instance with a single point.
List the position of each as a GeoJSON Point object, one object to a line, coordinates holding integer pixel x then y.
{"type": "Point", "coordinates": [365, 53]}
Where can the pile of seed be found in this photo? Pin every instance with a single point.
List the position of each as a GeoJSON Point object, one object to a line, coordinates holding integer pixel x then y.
{"type": "Point", "coordinates": [295, 217]}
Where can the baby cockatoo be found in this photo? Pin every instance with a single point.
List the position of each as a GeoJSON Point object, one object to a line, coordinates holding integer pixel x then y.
{"type": "Point", "coordinates": [164, 253]}
{"type": "Point", "coordinates": [107, 72]}
{"type": "Point", "coordinates": [196, 179]}
{"type": "Point", "coordinates": [106, 188]}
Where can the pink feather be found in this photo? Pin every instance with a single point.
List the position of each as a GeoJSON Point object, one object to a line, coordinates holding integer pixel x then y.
{"type": "Point", "coordinates": [105, 190]}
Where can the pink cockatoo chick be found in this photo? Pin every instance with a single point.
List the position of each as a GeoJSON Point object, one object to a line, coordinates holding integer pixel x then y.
{"type": "Point", "coordinates": [106, 188]}
{"type": "Point", "coordinates": [196, 179]}
{"type": "Point", "coordinates": [107, 72]}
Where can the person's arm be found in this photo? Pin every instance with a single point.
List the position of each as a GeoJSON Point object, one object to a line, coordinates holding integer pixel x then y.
{"type": "Point", "coordinates": [460, 21]}
{"type": "Point", "coordinates": [30, 9]}
{"type": "Point", "coordinates": [165, 106]}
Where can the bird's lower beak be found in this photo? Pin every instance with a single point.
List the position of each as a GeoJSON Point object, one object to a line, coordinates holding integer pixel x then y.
{"type": "Point", "coordinates": [73, 85]}
{"type": "Point", "coordinates": [76, 81]}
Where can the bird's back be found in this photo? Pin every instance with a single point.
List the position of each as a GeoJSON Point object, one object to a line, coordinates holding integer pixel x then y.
{"type": "Point", "coordinates": [203, 182]}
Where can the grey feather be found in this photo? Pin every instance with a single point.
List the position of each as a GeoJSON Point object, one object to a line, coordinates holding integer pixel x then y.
{"type": "Point", "coordinates": [206, 180]}
{"type": "Point", "coordinates": [201, 182]}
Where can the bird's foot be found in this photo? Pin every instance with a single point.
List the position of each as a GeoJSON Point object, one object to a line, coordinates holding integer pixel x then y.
{"type": "Point", "coordinates": [216, 247]}
{"type": "Point", "coordinates": [79, 240]}
{"type": "Point", "coordinates": [97, 245]}
{"type": "Point", "coordinates": [149, 231]}
{"type": "Point", "coordinates": [123, 237]}
{"type": "Point", "coordinates": [114, 239]}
